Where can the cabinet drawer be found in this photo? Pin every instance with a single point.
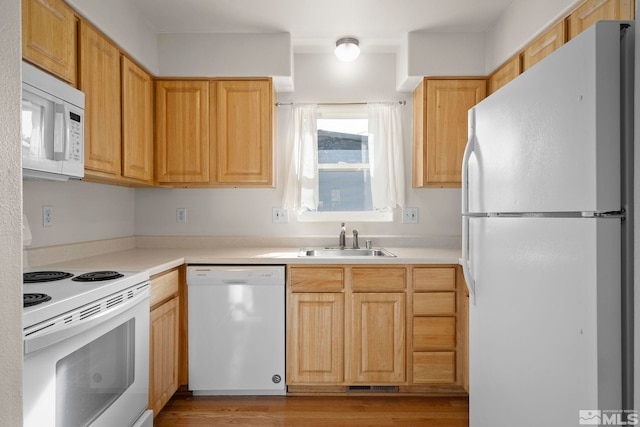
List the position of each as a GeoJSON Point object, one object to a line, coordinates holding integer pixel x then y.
{"type": "Point", "coordinates": [434, 303]}
{"type": "Point", "coordinates": [316, 279]}
{"type": "Point", "coordinates": [164, 287]}
{"type": "Point", "coordinates": [434, 332]}
{"type": "Point", "coordinates": [434, 279]}
{"type": "Point", "coordinates": [372, 279]}
{"type": "Point", "coordinates": [434, 367]}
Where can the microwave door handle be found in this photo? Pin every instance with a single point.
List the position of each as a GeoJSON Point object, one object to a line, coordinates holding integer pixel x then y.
{"type": "Point", "coordinates": [60, 130]}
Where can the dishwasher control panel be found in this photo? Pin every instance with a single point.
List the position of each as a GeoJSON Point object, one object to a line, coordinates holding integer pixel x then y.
{"type": "Point", "coordinates": [230, 274]}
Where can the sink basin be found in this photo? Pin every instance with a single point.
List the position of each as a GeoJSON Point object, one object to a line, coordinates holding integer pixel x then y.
{"type": "Point", "coordinates": [346, 252]}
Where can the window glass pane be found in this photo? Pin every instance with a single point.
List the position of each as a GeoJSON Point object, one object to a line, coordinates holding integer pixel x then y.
{"type": "Point", "coordinates": [343, 162]}
{"type": "Point", "coordinates": [345, 191]}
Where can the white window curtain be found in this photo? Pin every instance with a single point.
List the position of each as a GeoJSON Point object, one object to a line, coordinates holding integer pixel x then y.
{"type": "Point", "coordinates": [386, 155]}
{"type": "Point", "coordinates": [301, 183]}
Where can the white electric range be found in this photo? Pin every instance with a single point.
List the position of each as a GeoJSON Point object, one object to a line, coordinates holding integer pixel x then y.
{"type": "Point", "coordinates": [86, 348]}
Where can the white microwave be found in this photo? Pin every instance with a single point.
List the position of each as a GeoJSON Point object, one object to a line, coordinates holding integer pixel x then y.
{"type": "Point", "coordinates": [52, 134]}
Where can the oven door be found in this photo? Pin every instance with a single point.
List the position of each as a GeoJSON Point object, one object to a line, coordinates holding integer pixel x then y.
{"type": "Point", "coordinates": [93, 372]}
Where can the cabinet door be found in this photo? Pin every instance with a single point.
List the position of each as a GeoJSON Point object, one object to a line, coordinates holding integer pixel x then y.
{"type": "Point", "coordinates": [542, 46]}
{"type": "Point", "coordinates": [163, 352]}
{"type": "Point", "coordinates": [592, 11]}
{"type": "Point", "coordinates": [315, 338]}
{"type": "Point", "coordinates": [441, 129]}
{"type": "Point", "coordinates": [182, 131]}
{"type": "Point", "coordinates": [244, 132]}
{"type": "Point", "coordinates": [100, 82]}
{"type": "Point", "coordinates": [137, 122]}
{"type": "Point", "coordinates": [377, 346]}
{"type": "Point", "coordinates": [509, 71]}
{"type": "Point", "coordinates": [49, 37]}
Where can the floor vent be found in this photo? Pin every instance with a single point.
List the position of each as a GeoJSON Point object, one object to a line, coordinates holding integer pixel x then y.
{"type": "Point", "coordinates": [372, 389]}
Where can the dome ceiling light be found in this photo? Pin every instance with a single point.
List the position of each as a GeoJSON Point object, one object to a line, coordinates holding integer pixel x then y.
{"type": "Point", "coordinates": [347, 49]}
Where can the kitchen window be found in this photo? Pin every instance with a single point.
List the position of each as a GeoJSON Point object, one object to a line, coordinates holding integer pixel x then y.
{"type": "Point", "coordinates": [344, 175]}
{"type": "Point", "coordinates": [345, 162]}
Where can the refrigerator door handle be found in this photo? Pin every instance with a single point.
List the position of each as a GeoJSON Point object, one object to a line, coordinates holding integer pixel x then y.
{"type": "Point", "coordinates": [468, 151]}
{"type": "Point", "coordinates": [466, 264]}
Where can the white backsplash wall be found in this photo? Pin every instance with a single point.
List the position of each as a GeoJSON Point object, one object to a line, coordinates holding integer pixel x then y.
{"type": "Point", "coordinates": [248, 212]}
{"type": "Point", "coordinates": [82, 211]}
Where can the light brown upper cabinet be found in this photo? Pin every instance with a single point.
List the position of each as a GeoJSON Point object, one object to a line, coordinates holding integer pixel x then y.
{"type": "Point", "coordinates": [182, 131]}
{"type": "Point", "coordinates": [100, 82]}
{"type": "Point", "coordinates": [592, 11]}
{"type": "Point", "coordinates": [137, 122]}
{"type": "Point", "coordinates": [440, 107]}
{"type": "Point", "coordinates": [503, 75]}
{"type": "Point", "coordinates": [243, 113]}
{"type": "Point", "coordinates": [118, 113]}
{"type": "Point", "coordinates": [214, 133]}
{"type": "Point", "coordinates": [49, 37]}
{"type": "Point", "coordinates": [543, 45]}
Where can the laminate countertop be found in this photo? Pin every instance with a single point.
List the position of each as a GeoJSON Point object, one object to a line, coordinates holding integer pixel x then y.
{"type": "Point", "coordinates": [156, 261]}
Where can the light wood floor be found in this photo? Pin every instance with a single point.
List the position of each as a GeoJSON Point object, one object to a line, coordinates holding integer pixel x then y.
{"type": "Point", "coordinates": [304, 411]}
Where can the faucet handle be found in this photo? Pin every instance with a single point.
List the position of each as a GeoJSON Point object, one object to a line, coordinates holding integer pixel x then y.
{"type": "Point", "coordinates": [367, 244]}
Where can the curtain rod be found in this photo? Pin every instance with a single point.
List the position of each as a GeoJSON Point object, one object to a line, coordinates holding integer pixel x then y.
{"type": "Point", "coordinates": [278, 104]}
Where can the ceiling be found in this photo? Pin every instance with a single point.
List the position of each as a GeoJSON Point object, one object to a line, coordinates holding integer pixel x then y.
{"type": "Point", "coordinates": [315, 25]}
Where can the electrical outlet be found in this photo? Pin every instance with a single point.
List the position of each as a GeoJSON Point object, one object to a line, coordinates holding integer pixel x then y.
{"type": "Point", "coordinates": [47, 216]}
{"type": "Point", "coordinates": [280, 215]}
{"type": "Point", "coordinates": [181, 215]}
{"type": "Point", "coordinates": [410, 215]}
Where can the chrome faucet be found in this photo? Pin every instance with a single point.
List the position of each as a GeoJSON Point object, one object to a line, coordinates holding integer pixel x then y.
{"type": "Point", "coordinates": [355, 239]}
{"type": "Point", "coordinates": [343, 238]}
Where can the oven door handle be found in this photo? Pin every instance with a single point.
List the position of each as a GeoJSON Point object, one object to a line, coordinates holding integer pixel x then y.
{"type": "Point", "coordinates": [60, 328]}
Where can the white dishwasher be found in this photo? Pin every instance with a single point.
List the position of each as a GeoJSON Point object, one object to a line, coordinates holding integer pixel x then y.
{"type": "Point", "coordinates": [236, 329]}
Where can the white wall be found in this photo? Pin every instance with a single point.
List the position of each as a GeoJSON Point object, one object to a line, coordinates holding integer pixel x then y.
{"type": "Point", "coordinates": [123, 24]}
{"type": "Point", "coordinates": [519, 24]}
{"type": "Point", "coordinates": [82, 211]}
{"type": "Point", "coordinates": [86, 211]}
{"type": "Point", "coordinates": [637, 223]}
{"type": "Point", "coordinates": [439, 54]}
{"type": "Point", "coordinates": [318, 78]}
{"type": "Point", "coordinates": [10, 217]}
{"type": "Point", "coordinates": [227, 55]}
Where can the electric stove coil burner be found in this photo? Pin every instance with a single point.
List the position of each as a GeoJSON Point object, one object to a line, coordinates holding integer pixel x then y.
{"type": "Point", "coordinates": [33, 299]}
{"type": "Point", "coordinates": [97, 276]}
{"type": "Point", "coordinates": [44, 276]}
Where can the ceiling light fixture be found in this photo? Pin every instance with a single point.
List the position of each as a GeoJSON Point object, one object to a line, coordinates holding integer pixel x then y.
{"type": "Point", "coordinates": [347, 49]}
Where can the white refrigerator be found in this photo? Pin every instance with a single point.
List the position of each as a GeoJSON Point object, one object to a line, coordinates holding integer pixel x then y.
{"type": "Point", "coordinates": [547, 246]}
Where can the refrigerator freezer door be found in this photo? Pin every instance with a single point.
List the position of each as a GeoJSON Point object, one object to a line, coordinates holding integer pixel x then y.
{"type": "Point", "coordinates": [549, 141]}
{"type": "Point", "coordinates": [545, 329]}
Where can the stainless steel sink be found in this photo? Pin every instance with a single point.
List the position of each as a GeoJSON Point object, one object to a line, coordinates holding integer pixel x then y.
{"type": "Point", "coordinates": [346, 252]}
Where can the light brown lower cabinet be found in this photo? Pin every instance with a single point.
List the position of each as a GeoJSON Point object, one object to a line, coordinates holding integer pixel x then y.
{"type": "Point", "coordinates": [378, 343]}
{"type": "Point", "coordinates": [386, 325]}
{"type": "Point", "coordinates": [439, 327]}
{"type": "Point", "coordinates": [315, 341]}
{"type": "Point", "coordinates": [164, 339]}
